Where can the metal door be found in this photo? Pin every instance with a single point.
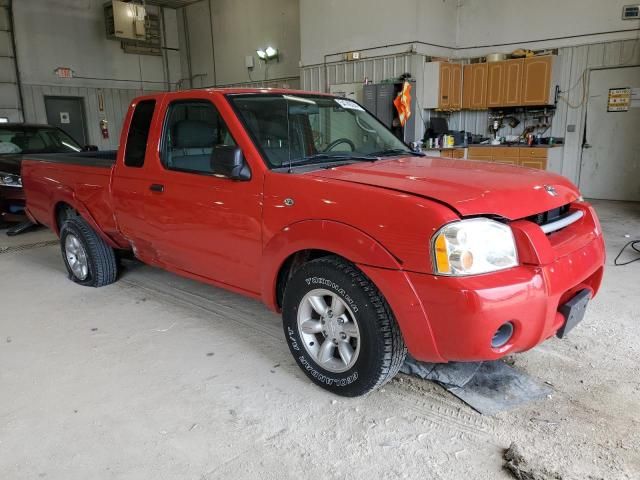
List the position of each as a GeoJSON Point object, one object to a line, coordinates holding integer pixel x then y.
{"type": "Point", "coordinates": [67, 113]}
{"type": "Point", "coordinates": [610, 165]}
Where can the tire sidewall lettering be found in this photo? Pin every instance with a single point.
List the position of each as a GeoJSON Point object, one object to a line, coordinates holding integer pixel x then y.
{"type": "Point", "coordinates": [315, 281]}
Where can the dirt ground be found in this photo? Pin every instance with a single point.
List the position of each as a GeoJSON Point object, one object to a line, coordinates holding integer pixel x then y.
{"type": "Point", "coordinates": [158, 377]}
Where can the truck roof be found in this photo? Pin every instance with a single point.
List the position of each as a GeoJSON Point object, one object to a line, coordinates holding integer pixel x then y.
{"type": "Point", "coordinates": [233, 91]}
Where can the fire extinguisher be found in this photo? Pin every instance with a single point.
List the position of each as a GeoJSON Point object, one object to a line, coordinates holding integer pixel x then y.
{"type": "Point", "coordinates": [104, 128]}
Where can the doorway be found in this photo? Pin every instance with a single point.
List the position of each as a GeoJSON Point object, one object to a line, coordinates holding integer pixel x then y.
{"type": "Point", "coordinates": [67, 113]}
{"type": "Point", "coordinates": [610, 164]}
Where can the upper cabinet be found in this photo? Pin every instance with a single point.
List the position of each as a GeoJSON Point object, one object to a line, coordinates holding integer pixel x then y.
{"type": "Point", "coordinates": [538, 83]}
{"type": "Point", "coordinates": [474, 86]}
{"type": "Point", "coordinates": [512, 91]}
{"type": "Point", "coordinates": [443, 86]}
{"type": "Point", "coordinates": [521, 82]}
{"type": "Point", "coordinates": [505, 83]}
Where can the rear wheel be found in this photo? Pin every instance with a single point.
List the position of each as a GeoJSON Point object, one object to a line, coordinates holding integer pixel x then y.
{"type": "Point", "coordinates": [340, 328]}
{"type": "Point", "coordinates": [88, 258]}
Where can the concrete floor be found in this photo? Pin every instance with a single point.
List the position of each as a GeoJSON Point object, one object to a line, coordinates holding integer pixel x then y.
{"type": "Point", "coordinates": [164, 378]}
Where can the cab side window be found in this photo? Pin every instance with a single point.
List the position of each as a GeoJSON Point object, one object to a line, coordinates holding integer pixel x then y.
{"type": "Point", "coordinates": [192, 130]}
{"type": "Point", "coordinates": [139, 133]}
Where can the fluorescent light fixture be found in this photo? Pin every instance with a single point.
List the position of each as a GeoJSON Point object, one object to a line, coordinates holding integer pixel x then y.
{"type": "Point", "coordinates": [271, 52]}
{"type": "Point", "coordinates": [262, 54]}
{"type": "Point", "coordinates": [4, 120]}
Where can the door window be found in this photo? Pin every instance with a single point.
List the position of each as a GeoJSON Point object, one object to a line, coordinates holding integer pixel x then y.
{"type": "Point", "coordinates": [139, 134]}
{"type": "Point", "coordinates": [193, 130]}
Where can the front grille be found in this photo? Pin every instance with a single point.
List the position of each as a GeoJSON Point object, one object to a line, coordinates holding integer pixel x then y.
{"type": "Point", "coordinates": [549, 216]}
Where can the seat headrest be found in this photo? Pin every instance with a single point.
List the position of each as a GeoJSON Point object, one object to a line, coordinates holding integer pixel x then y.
{"type": "Point", "coordinates": [193, 134]}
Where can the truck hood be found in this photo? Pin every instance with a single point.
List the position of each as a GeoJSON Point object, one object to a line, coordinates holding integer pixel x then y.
{"type": "Point", "coordinates": [467, 186]}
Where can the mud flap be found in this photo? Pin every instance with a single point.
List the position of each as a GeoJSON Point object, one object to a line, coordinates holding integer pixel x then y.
{"type": "Point", "coordinates": [487, 387]}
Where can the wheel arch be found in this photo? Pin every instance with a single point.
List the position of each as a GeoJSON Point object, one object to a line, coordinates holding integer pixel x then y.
{"type": "Point", "coordinates": [310, 239]}
{"type": "Point", "coordinates": [60, 211]}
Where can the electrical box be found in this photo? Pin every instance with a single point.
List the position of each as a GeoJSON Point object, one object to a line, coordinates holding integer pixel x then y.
{"type": "Point", "coordinates": [125, 20]}
{"type": "Point", "coordinates": [352, 91]}
{"type": "Point", "coordinates": [631, 12]}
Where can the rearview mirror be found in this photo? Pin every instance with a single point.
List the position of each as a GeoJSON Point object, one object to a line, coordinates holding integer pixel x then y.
{"type": "Point", "coordinates": [229, 162]}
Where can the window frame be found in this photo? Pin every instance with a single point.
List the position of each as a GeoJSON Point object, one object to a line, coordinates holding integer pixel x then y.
{"type": "Point", "coordinates": [146, 143]}
{"type": "Point", "coordinates": [164, 135]}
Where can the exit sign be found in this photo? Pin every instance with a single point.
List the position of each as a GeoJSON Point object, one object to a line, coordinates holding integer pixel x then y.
{"type": "Point", "coordinates": [64, 72]}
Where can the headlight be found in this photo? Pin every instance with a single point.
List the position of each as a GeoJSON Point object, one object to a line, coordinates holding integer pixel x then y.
{"type": "Point", "coordinates": [10, 180]}
{"type": "Point", "coordinates": [470, 247]}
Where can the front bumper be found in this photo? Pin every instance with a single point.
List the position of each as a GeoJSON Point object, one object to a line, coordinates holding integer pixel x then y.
{"type": "Point", "coordinates": [454, 318]}
{"type": "Point", "coordinates": [12, 204]}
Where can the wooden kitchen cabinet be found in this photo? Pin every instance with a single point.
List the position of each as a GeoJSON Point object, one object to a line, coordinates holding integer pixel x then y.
{"type": "Point", "coordinates": [533, 157]}
{"type": "Point", "coordinates": [504, 86]}
{"type": "Point", "coordinates": [442, 86]}
{"type": "Point", "coordinates": [495, 81]}
{"type": "Point", "coordinates": [474, 86]}
{"type": "Point", "coordinates": [512, 85]}
{"type": "Point", "coordinates": [537, 85]}
{"type": "Point", "coordinates": [521, 156]}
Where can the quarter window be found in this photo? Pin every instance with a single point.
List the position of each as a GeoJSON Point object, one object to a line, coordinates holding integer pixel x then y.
{"type": "Point", "coordinates": [139, 134]}
{"type": "Point", "coordinates": [192, 131]}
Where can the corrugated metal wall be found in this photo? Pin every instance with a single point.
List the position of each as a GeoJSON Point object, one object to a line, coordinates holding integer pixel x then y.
{"type": "Point", "coordinates": [9, 95]}
{"type": "Point", "coordinates": [375, 69]}
{"type": "Point", "coordinates": [116, 102]}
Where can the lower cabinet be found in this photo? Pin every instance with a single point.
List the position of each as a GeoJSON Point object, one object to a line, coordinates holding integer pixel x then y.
{"type": "Point", "coordinates": [521, 156]}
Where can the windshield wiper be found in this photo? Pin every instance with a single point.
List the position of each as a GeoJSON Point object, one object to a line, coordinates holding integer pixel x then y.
{"type": "Point", "coordinates": [394, 151]}
{"type": "Point", "coordinates": [309, 159]}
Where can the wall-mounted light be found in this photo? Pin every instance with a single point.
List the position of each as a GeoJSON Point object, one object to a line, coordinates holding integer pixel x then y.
{"type": "Point", "coordinates": [268, 53]}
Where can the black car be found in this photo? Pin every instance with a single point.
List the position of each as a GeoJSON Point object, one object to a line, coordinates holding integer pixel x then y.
{"type": "Point", "coordinates": [17, 139]}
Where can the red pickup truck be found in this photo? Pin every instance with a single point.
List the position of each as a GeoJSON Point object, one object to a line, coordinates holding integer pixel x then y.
{"type": "Point", "coordinates": [308, 203]}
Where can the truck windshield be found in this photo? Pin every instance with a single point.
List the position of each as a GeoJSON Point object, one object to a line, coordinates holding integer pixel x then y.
{"type": "Point", "coordinates": [18, 139]}
{"type": "Point", "coordinates": [307, 129]}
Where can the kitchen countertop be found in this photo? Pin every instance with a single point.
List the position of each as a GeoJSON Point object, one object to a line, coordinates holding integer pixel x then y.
{"type": "Point", "coordinates": [520, 145]}
{"type": "Point", "coordinates": [483, 145]}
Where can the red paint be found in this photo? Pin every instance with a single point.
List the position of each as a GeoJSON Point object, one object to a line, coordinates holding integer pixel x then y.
{"type": "Point", "coordinates": [380, 215]}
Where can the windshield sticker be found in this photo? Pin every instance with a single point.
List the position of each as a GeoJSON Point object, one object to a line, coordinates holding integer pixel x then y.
{"type": "Point", "coordinates": [348, 104]}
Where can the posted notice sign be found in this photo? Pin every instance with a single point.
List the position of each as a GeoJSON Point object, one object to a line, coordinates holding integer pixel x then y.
{"type": "Point", "coordinates": [619, 99]}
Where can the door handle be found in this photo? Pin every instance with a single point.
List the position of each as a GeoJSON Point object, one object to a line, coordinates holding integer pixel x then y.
{"type": "Point", "coordinates": [586, 145]}
{"type": "Point", "coordinates": [156, 187]}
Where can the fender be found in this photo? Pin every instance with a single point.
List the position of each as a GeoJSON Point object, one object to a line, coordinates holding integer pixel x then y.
{"type": "Point", "coordinates": [339, 238]}
{"type": "Point", "coordinates": [69, 197]}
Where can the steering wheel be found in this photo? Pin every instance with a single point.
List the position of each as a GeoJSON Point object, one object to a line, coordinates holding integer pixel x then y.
{"type": "Point", "coordinates": [337, 142]}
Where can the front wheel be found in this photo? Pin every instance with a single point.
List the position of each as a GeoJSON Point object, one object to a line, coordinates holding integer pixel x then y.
{"type": "Point", "coordinates": [340, 328]}
{"type": "Point", "coordinates": [88, 258]}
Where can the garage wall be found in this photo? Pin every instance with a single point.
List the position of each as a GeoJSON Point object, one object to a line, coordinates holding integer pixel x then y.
{"type": "Point", "coordinates": [218, 35]}
{"type": "Point", "coordinates": [9, 93]}
{"type": "Point", "coordinates": [71, 33]}
{"type": "Point", "coordinates": [502, 25]}
{"type": "Point", "coordinates": [332, 26]}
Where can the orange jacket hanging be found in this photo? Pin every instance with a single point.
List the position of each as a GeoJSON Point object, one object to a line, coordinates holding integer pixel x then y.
{"type": "Point", "coordinates": [403, 103]}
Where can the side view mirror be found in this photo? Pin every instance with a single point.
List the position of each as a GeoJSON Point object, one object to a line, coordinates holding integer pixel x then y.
{"type": "Point", "coordinates": [90, 148]}
{"type": "Point", "coordinates": [229, 162]}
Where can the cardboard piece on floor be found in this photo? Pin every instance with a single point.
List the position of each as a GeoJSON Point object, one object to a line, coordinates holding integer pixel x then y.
{"type": "Point", "coordinates": [487, 387]}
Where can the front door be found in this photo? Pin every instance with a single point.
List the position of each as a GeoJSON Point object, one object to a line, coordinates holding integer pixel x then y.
{"type": "Point", "coordinates": [67, 113]}
{"type": "Point", "coordinates": [610, 166]}
{"type": "Point", "coordinates": [204, 225]}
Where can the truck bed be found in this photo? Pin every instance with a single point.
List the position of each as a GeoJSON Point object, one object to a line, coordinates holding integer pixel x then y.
{"type": "Point", "coordinates": [82, 179]}
{"type": "Point", "coordinates": [103, 159]}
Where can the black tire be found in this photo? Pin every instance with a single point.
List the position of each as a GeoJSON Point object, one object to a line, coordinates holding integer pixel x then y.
{"type": "Point", "coordinates": [381, 350]}
{"type": "Point", "coordinates": [101, 258]}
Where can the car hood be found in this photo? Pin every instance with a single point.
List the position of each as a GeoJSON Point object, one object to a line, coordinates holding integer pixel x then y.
{"type": "Point", "coordinates": [10, 164]}
{"type": "Point", "coordinates": [469, 187]}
